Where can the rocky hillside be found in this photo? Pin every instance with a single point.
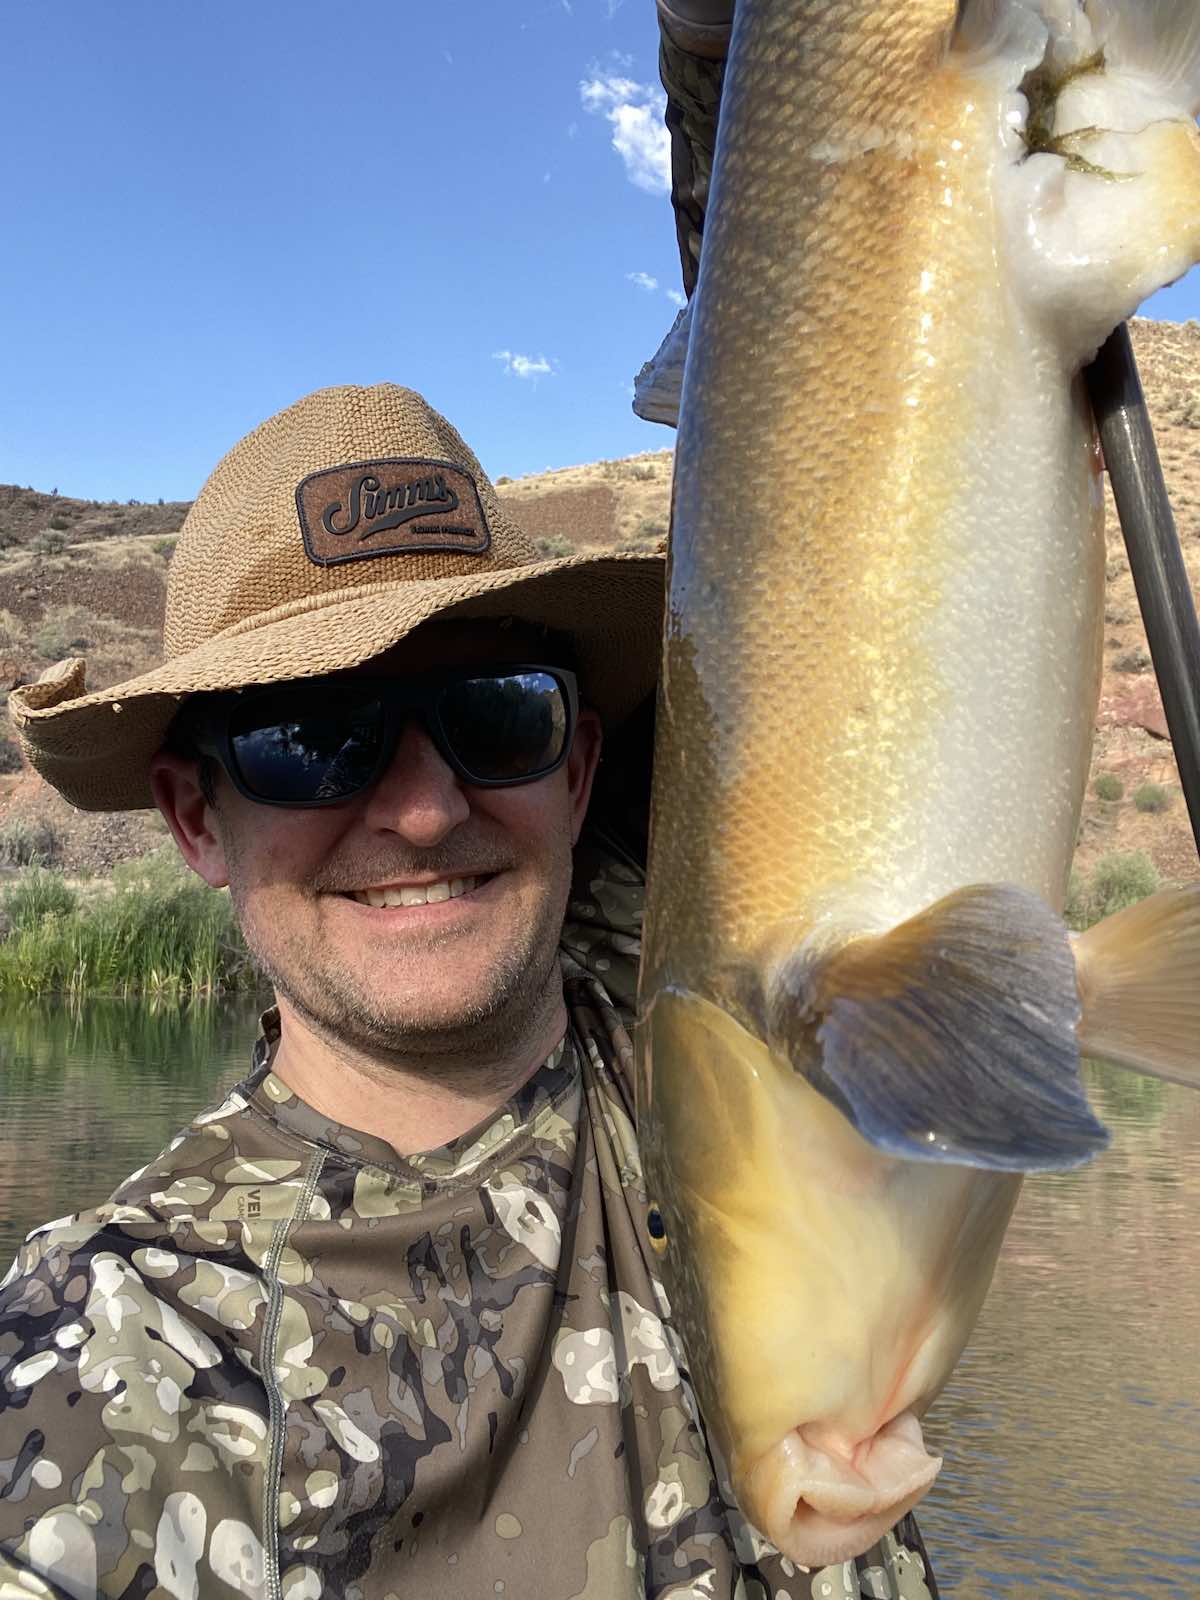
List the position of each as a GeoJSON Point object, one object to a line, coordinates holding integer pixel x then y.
{"type": "Point", "coordinates": [81, 577]}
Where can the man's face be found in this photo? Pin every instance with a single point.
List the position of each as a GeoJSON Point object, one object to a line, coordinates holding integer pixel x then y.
{"type": "Point", "coordinates": [493, 865]}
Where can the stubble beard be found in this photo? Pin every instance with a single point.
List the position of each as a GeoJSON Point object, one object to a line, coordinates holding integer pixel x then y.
{"type": "Point", "coordinates": [475, 1031]}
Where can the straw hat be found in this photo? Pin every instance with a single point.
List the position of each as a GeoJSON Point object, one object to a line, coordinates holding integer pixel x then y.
{"type": "Point", "coordinates": [323, 538]}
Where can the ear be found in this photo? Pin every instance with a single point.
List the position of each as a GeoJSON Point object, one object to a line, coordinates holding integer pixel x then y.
{"type": "Point", "coordinates": [581, 767]}
{"type": "Point", "coordinates": [190, 815]}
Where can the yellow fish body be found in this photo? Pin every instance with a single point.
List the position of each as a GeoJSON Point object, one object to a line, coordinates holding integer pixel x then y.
{"type": "Point", "coordinates": [861, 1013]}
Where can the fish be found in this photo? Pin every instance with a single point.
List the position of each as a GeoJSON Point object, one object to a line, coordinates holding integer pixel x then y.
{"type": "Point", "coordinates": [861, 1017]}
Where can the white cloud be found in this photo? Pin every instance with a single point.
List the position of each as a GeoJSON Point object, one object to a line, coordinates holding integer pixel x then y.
{"type": "Point", "coordinates": [572, 130]}
{"type": "Point", "coordinates": [676, 297]}
{"type": "Point", "coordinates": [643, 281]}
{"type": "Point", "coordinates": [639, 136]}
{"type": "Point", "coordinates": [519, 366]}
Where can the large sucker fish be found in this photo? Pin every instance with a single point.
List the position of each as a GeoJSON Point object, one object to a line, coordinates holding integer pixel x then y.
{"type": "Point", "coordinates": [862, 1016]}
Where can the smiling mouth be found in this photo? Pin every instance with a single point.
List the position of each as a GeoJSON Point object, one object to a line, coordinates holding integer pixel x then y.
{"type": "Point", "coordinates": [412, 894]}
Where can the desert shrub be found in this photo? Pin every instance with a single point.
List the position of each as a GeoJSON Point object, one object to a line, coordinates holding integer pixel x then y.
{"type": "Point", "coordinates": [644, 471]}
{"type": "Point", "coordinates": [1151, 797]}
{"type": "Point", "coordinates": [1118, 879]}
{"type": "Point", "coordinates": [27, 841]}
{"type": "Point", "coordinates": [50, 543]}
{"type": "Point", "coordinates": [555, 545]}
{"type": "Point", "coordinates": [8, 538]}
{"type": "Point", "coordinates": [643, 546]}
{"type": "Point", "coordinates": [1075, 907]}
{"type": "Point", "coordinates": [651, 528]}
{"type": "Point", "coordinates": [10, 756]}
{"type": "Point", "coordinates": [12, 634]}
{"type": "Point", "coordinates": [503, 478]}
{"type": "Point", "coordinates": [63, 630]}
{"type": "Point", "coordinates": [1135, 660]}
{"type": "Point", "coordinates": [59, 522]}
{"type": "Point", "coordinates": [164, 547]}
{"type": "Point", "coordinates": [1107, 786]}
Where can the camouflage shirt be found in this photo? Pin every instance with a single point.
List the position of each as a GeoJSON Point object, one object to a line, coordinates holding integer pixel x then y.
{"type": "Point", "coordinates": [283, 1360]}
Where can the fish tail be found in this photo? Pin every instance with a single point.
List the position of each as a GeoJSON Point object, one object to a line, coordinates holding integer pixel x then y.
{"type": "Point", "coordinates": [951, 1038]}
{"type": "Point", "coordinates": [1139, 981]}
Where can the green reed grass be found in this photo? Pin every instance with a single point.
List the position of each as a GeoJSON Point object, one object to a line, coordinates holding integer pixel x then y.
{"type": "Point", "coordinates": [156, 930]}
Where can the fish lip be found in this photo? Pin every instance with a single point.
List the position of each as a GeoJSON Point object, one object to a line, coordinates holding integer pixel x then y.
{"type": "Point", "coordinates": [859, 1494]}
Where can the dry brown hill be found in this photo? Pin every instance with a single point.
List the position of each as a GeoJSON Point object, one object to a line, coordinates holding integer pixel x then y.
{"type": "Point", "coordinates": [82, 577]}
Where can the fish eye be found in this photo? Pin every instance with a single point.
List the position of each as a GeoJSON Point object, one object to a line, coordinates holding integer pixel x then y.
{"type": "Point", "coordinates": [657, 1229]}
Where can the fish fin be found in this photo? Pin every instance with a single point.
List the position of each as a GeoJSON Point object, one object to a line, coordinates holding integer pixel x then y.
{"type": "Point", "coordinates": [658, 387]}
{"type": "Point", "coordinates": [952, 1038]}
{"type": "Point", "coordinates": [1139, 980]}
{"type": "Point", "coordinates": [1154, 39]}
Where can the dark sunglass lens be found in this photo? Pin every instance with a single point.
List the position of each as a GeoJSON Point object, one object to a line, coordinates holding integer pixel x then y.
{"type": "Point", "coordinates": [296, 753]}
{"type": "Point", "coordinates": [505, 726]}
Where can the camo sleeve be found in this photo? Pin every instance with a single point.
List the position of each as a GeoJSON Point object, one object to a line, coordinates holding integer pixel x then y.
{"type": "Point", "coordinates": [134, 1429]}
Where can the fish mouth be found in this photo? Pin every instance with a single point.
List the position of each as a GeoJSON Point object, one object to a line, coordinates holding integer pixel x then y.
{"type": "Point", "coordinates": [819, 1503]}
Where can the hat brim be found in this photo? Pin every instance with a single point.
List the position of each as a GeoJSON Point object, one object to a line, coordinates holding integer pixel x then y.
{"type": "Point", "coordinates": [95, 749]}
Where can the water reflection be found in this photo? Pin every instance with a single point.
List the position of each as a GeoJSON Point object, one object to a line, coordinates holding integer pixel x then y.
{"type": "Point", "coordinates": [89, 1092]}
{"type": "Point", "coordinates": [1071, 1428]}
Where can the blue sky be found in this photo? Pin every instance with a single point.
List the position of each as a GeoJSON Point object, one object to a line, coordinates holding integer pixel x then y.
{"type": "Point", "coordinates": [211, 209]}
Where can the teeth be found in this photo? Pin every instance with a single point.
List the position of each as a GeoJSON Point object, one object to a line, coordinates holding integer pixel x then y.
{"type": "Point", "coordinates": [428, 894]}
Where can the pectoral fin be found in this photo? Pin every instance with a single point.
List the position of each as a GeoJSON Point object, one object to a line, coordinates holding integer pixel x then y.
{"type": "Point", "coordinates": [951, 1038]}
{"type": "Point", "coordinates": [1139, 980]}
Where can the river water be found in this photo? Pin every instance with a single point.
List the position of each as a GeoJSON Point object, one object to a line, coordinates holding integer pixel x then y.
{"type": "Point", "coordinates": [1071, 1429]}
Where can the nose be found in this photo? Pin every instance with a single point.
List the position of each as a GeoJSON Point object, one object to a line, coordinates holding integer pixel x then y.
{"type": "Point", "coordinates": [418, 796]}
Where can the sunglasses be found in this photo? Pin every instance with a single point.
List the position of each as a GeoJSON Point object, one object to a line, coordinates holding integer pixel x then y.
{"type": "Point", "coordinates": [320, 741]}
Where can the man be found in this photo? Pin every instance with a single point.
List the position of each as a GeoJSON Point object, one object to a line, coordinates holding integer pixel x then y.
{"type": "Point", "coordinates": [385, 1322]}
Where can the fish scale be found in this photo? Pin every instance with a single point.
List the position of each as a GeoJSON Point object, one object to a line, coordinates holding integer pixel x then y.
{"type": "Point", "coordinates": [832, 598]}
{"type": "Point", "coordinates": [860, 1011]}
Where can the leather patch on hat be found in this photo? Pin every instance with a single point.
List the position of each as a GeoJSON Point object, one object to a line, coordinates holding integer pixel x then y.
{"type": "Point", "coordinates": [384, 508]}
